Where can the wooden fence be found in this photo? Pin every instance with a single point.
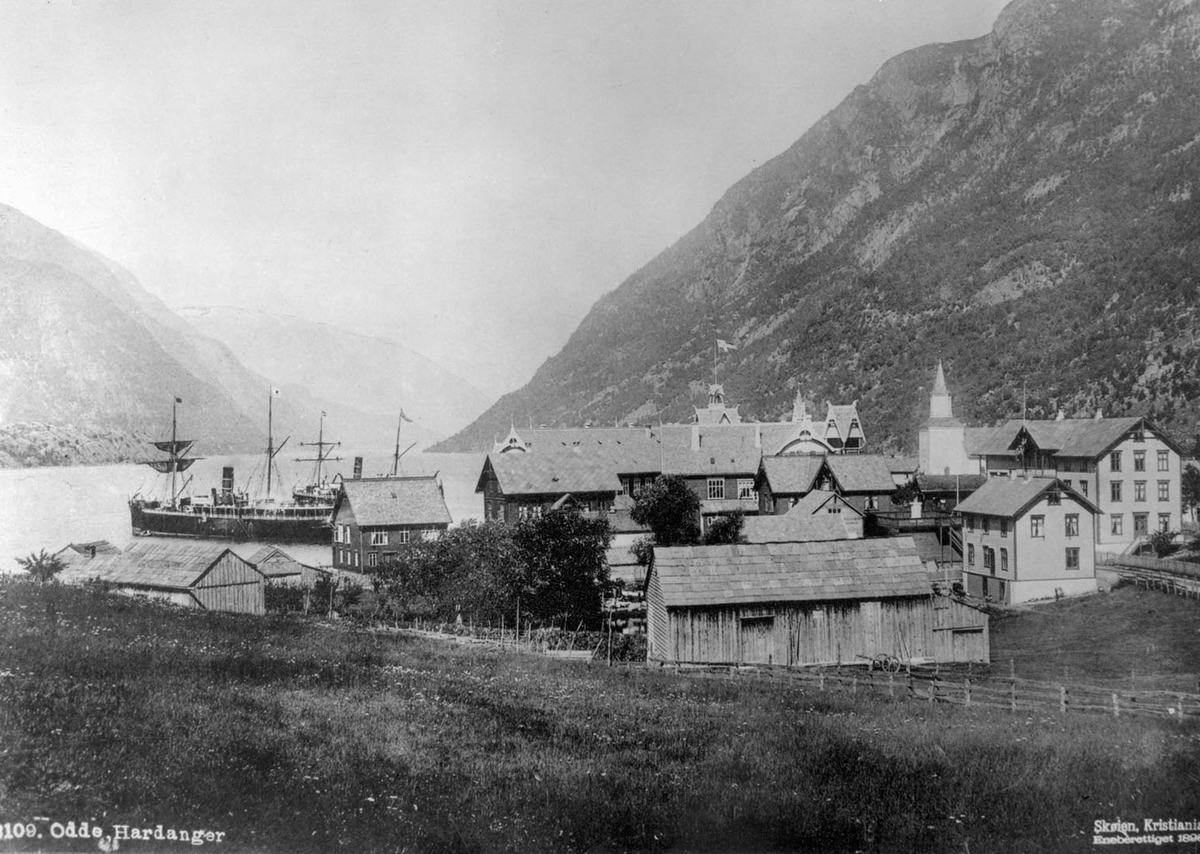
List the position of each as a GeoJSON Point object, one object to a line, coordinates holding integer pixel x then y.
{"type": "Point", "coordinates": [964, 689]}
{"type": "Point", "coordinates": [1173, 576]}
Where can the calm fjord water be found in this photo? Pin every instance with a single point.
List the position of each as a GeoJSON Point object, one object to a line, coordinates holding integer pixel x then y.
{"type": "Point", "coordinates": [46, 508]}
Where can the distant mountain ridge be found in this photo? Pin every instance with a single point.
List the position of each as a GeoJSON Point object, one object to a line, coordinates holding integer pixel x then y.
{"type": "Point", "coordinates": [90, 364]}
{"type": "Point", "coordinates": [1023, 206]}
{"type": "Point", "coordinates": [353, 372]}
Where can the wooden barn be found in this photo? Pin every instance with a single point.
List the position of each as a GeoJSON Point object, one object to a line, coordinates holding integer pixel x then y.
{"type": "Point", "coordinates": [193, 575]}
{"type": "Point", "coordinates": [281, 568]}
{"type": "Point", "coordinates": [800, 604]}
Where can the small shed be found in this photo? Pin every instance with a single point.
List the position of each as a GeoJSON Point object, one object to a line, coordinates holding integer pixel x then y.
{"type": "Point", "coordinates": [802, 604]}
{"type": "Point", "coordinates": [278, 567]}
{"type": "Point", "coordinates": [210, 577]}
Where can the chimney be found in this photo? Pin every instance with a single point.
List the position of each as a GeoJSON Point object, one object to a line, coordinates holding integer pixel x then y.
{"type": "Point", "coordinates": [358, 468]}
{"type": "Point", "coordinates": [227, 480]}
{"type": "Point", "coordinates": [695, 437]}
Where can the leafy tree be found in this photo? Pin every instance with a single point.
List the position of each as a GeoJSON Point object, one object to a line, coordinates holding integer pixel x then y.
{"type": "Point", "coordinates": [42, 566]}
{"type": "Point", "coordinates": [564, 574]}
{"type": "Point", "coordinates": [1191, 487]}
{"type": "Point", "coordinates": [670, 509]}
{"type": "Point", "coordinates": [725, 529]}
{"type": "Point", "coordinates": [1163, 543]}
{"type": "Point", "coordinates": [907, 494]}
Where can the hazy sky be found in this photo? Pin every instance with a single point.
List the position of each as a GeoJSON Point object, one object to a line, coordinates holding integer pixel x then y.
{"type": "Point", "coordinates": [464, 178]}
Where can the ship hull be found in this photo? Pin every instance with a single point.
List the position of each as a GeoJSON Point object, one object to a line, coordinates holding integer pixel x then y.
{"type": "Point", "coordinates": [233, 523]}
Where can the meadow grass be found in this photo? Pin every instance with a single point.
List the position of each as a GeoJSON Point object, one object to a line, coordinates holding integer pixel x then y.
{"type": "Point", "coordinates": [292, 736]}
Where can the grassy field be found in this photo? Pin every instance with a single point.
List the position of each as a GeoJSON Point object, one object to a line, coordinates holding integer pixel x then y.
{"type": "Point", "coordinates": [287, 736]}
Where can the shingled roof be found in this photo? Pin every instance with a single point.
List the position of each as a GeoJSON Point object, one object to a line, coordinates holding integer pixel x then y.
{"type": "Point", "coordinates": [1068, 437]}
{"type": "Point", "coordinates": [550, 471]}
{"type": "Point", "coordinates": [395, 501]}
{"type": "Point", "coordinates": [791, 475]}
{"type": "Point", "coordinates": [861, 472]}
{"type": "Point", "coordinates": [1011, 497]}
{"type": "Point", "coordinates": [796, 526]}
{"type": "Point", "coordinates": [881, 568]}
{"type": "Point", "coordinates": [173, 566]}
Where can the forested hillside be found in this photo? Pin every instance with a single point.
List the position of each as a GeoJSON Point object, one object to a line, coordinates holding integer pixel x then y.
{"type": "Point", "coordinates": [1023, 206]}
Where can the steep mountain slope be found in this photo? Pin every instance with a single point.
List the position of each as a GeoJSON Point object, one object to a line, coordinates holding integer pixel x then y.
{"type": "Point", "coordinates": [88, 357]}
{"type": "Point", "coordinates": [1023, 205]}
{"type": "Point", "coordinates": [352, 372]}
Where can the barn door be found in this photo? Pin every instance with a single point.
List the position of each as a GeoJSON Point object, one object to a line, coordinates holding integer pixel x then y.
{"type": "Point", "coordinates": [757, 634]}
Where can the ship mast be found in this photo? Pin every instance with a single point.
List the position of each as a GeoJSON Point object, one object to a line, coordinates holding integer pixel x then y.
{"type": "Point", "coordinates": [173, 453]}
{"type": "Point", "coordinates": [272, 451]}
{"type": "Point", "coordinates": [397, 455]}
{"type": "Point", "coordinates": [322, 456]}
{"type": "Point", "coordinates": [176, 450]}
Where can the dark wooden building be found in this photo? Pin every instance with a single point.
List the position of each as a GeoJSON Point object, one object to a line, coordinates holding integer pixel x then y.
{"type": "Point", "coordinates": [374, 517]}
{"type": "Point", "coordinates": [804, 604]}
{"type": "Point", "coordinates": [192, 575]}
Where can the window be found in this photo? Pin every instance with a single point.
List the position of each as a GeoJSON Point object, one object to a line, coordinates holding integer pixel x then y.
{"type": "Point", "coordinates": [746, 488]}
{"type": "Point", "coordinates": [1083, 488]}
{"type": "Point", "coordinates": [1004, 560]}
{"type": "Point", "coordinates": [1054, 498]}
{"type": "Point", "coordinates": [970, 554]}
{"type": "Point", "coordinates": [337, 533]}
{"type": "Point", "coordinates": [1067, 484]}
{"type": "Point", "coordinates": [716, 487]}
{"type": "Point", "coordinates": [1141, 524]}
{"type": "Point", "coordinates": [1139, 490]}
{"type": "Point", "coordinates": [402, 534]}
{"type": "Point", "coordinates": [626, 488]}
{"type": "Point", "coordinates": [989, 559]}
{"type": "Point", "coordinates": [372, 558]}
{"type": "Point", "coordinates": [1117, 523]}
{"type": "Point", "coordinates": [1114, 461]}
{"type": "Point", "coordinates": [1164, 490]}
{"type": "Point", "coordinates": [1072, 520]}
{"type": "Point", "coordinates": [987, 525]}
{"type": "Point", "coordinates": [1004, 527]}
{"type": "Point", "coordinates": [1164, 461]}
{"type": "Point", "coordinates": [1139, 460]}
{"type": "Point", "coordinates": [970, 523]}
{"type": "Point", "coordinates": [357, 558]}
{"type": "Point", "coordinates": [1164, 522]}
{"type": "Point", "coordinates": [1037, 526]}
{"type": "Point", "coordinates": [1114, 489]}
{"type": "Point", "coordinates": [1073, 558]}
{"type": "Point", "coordinates": [379, 538]}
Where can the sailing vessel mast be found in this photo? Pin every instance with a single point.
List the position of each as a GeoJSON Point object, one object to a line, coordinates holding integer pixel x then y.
{"type": "Point", "coordinates": [272, 451]}
{"type": "Point", "coordinates": [175, 449]}
{"type": "Point", "coordinates": [322, 457]}
{"type": "Point", "coordinates": [397, 455]}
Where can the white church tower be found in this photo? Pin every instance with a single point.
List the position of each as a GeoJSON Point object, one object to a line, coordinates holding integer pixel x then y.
{"type": "Point", "coordinates": [942, 437]}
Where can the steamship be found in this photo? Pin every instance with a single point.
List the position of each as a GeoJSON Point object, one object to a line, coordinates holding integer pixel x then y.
{"type": "Point", "coordinates": [229, 514]}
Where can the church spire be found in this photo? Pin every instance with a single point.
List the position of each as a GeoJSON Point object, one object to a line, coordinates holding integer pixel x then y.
{"type": "Point", "coordinates": [940, 404]}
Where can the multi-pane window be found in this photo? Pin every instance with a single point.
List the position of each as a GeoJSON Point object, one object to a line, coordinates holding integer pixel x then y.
{"type": "Point", "coordinates": [987, 525]}
{"type": "Point", "coordinates": [1073, 558]}
{"type": "Point", "coordinates": [1004, 560]}
{"type": "Point", "coordinates": [1004, 527]}
{"type": "Point", "coordinates": [1164, 490]}
{"type": "Point", "coordinates": [1139, 460]}
{"type": "Point", "coordinates": [1072, 520]}
{"type": "Point", "coordinates": [1141, 524]}
{"type": "Point", "coordinates": [379, 538]}
{"type": "Point", "coordinates": [372, 558]}
{"type": "Point", "coordinates": [1083, 488]}
{"type": "Point", "coordinates": [402, 534]}
{"type": "Point", "coordinates": [716, 487]}
{"type": "Point", "coordinates": [989, 558]}
{"type": "Point", "coordinates": [1114, 489]}
{"type": "Point", "coordinates": [1114, 461]}
{"type": "Point", "coordinates": [1037, 526]}
{"type": "Point", "coordinates": [1117, 524]}
{"type": "Point", "coordinates": [1164, 522]}
{"type": "Point", "coordinates": [970, 554]}
{"type": "Point", "coordinates": [970, 523]}
{"type": "Point", "coordinates": [1054, 498]}
{"type": "Point", "coordinates": [1164, 461]}
{"type": "Point", "coordinates": [746, 488]}
{"type": "Point", "coordinates": [1139, 490]}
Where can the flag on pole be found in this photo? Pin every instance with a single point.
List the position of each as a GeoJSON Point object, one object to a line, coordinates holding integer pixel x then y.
{"type": "Point", "coordinates": [725, 346]}
{"type": "Point", "coordinates": [179, 400]}
{"type": "Point", "coordinates": [323, 413]}
{"type": "Point", "coordinates": [404, 417]}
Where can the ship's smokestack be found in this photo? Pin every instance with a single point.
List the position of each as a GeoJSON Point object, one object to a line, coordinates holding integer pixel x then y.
{"type": "Point", "coordinates": [227, 480]}
{"type": "Point", "coordinates": [358, 468]}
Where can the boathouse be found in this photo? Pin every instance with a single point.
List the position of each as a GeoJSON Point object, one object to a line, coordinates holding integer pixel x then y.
{"type": "Point", "coordinates": [798, 604]}
{"type": "Point", "coordinates": [209, 577]}
{"type": "Point", "coordinates": [278, 567]}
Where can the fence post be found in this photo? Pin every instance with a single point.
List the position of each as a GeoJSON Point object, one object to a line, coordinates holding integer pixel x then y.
{"type": "Point", "coordinates": [854, 685]}
{"type": "Point", "coordinates": [822, 674]}
{"type": "Point", "coordinates": [1116, 707]}
{"type": "Point", "coordinates": [891, 685]}
{"type": "Point", "coordinates": [967, 689]}
{"type": "Point", "coordinates": [1181, 708]}
{"type": "Point", "coordinates": [1014, 696]}
{"type": "Point", "coordinates": [933, 689]}
{"type": "Point", "coordinates": [1062, 699]}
